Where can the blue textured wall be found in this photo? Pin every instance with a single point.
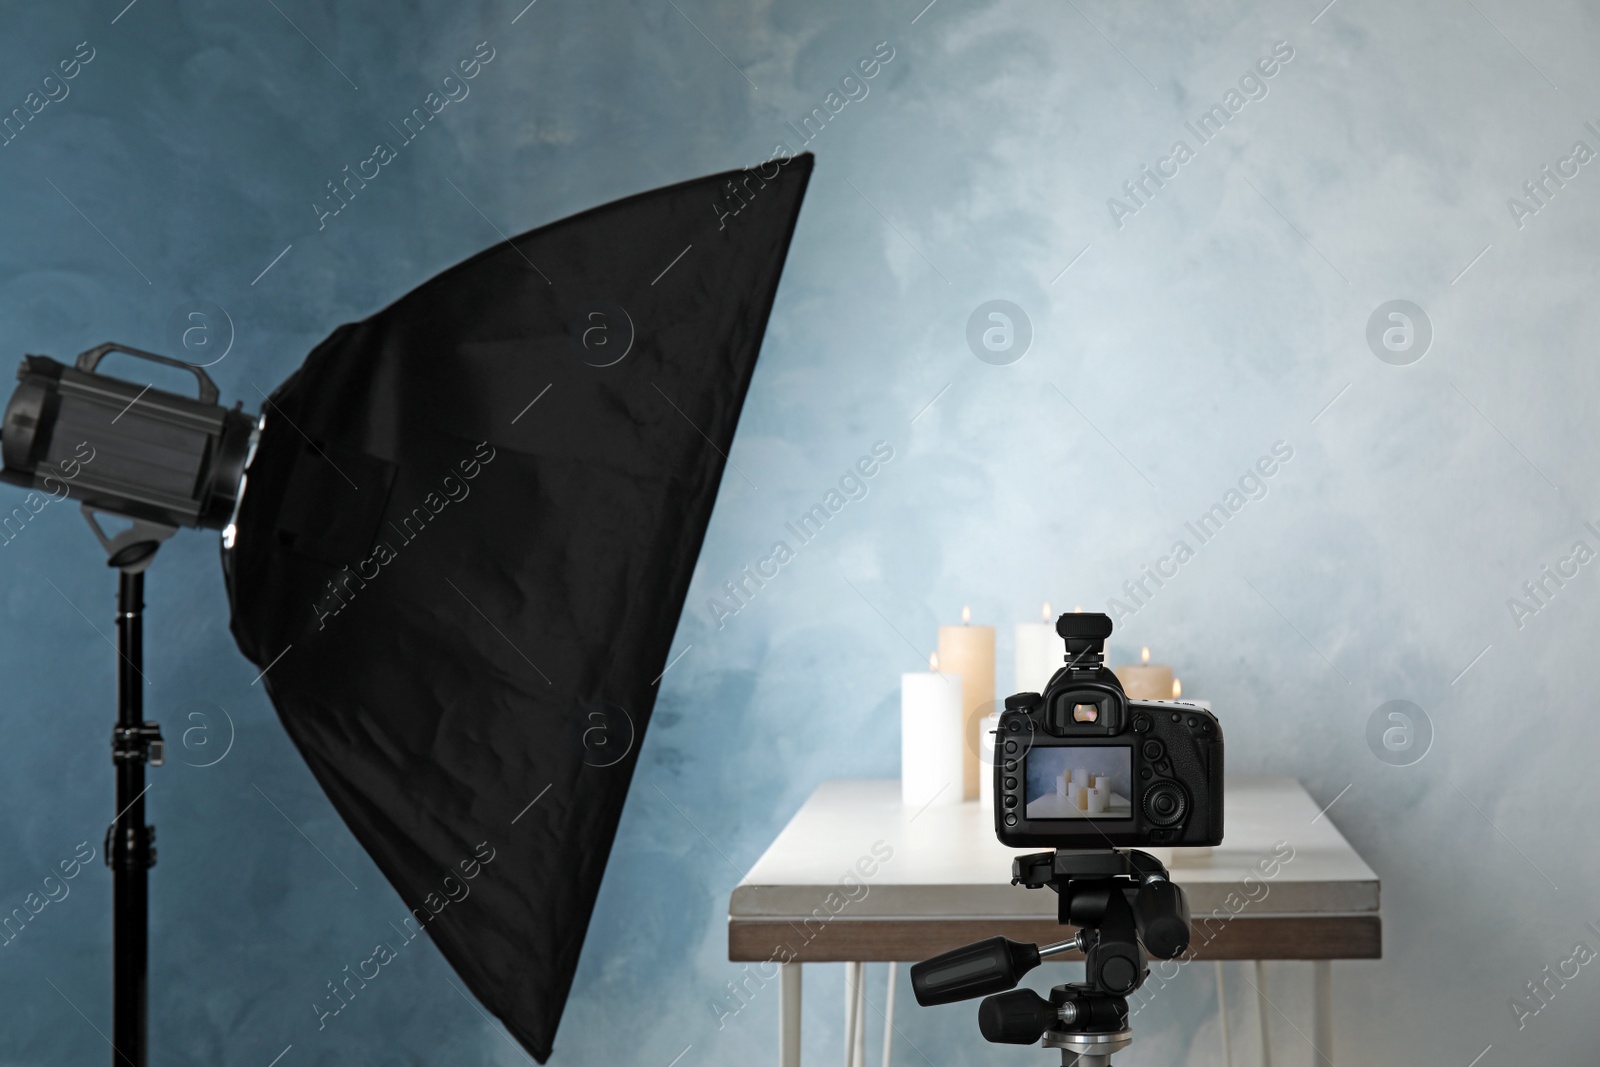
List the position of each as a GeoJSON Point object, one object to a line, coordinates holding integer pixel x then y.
{"type": "Point", "coordinates": [1205, 321]}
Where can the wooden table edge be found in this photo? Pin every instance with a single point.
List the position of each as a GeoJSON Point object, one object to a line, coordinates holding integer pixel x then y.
{"type": "Point", "coordinates": [1281, 937]}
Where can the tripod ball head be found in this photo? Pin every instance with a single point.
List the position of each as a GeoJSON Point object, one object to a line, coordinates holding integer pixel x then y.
{"type": "Point", "coordinates": [1126, 910]}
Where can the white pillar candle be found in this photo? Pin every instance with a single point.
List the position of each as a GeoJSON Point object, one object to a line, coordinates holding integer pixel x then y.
{"type": "Point", "coordinates": [1040, 653]}
{"type": "Point", "coordinates": [1080, 797]}
{"type": "Point", "coordinates": [1099, 799]}
{"type": "Point", "coordinates": [1081, 777]}
{"type": "Point", "coordinates": [931, 739]}
{"type": "Point", "coordinates": [968, 652]}
{"type": "Point", "coordinates": [1145, 680]}
{"type": "Point", "coordinates": [987, 728]}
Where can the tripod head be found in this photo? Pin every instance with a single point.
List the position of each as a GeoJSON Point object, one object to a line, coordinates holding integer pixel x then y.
{"type": "Point", "coordinates": [1126, 910]}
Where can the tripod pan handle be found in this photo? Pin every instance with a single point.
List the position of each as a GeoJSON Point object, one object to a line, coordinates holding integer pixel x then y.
{"type": "Point", "coordinates": [990, 966]}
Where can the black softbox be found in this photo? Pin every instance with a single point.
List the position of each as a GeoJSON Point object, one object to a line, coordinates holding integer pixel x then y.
{"type": "Point", "coordinates": [465, 541]}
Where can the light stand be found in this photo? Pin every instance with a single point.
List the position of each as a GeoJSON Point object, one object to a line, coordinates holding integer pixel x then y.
{"type": "Point", "coordinates": [159, 461]}
{"type": "Point", "coordinates": [130, 842]}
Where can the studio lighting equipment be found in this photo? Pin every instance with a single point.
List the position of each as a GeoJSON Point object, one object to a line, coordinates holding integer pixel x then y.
{"type": "Point", "coordinates": [456, 544]}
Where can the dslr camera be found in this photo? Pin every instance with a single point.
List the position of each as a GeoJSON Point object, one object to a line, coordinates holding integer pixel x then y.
{"type": "Point", "coordinates": [1080, 766]}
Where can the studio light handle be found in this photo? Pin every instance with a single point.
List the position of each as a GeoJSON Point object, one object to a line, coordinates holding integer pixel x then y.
{"type": "Point", "coordinates": [88, 361]}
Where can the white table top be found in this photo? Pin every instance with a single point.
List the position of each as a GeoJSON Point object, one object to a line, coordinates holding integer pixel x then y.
{"type": "Point", "coordinates": [946, 862]}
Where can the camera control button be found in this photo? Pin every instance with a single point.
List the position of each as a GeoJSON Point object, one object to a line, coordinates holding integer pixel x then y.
{"type": "Point", "coordinates": [1011, 801]}
{"type": "Point", "coordinates": [1193, 722]}
{"type": "Point", "coordinates": [1011, 818]}
{"type": "Point", "coordinates": [1011, 764]}
{"type": "Point", "coordinates": [1011, 783]}
{"type": "Point", "coordinates": [1141, 724]}
{"type": "Point", "coordinates": [1144, 773]}
{"type": "Point", "coordinates": [1165, 803]}
{"type": "Point", "coordinates": [1176, 717]}
{"type": "Point", "coordinates": [1153, 750]}
{"type": "Point", "coordinates": [1011, 746]}
{"type": "Point", "coordinates": [1163, 767]}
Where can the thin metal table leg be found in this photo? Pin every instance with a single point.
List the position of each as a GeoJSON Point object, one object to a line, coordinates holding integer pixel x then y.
{"type": "Point", "coordinates": [852, 1017]}
{"type": "Point", "coordinates": [1222, 1015]}
{"type": "Point", "coordinates": [1322, 1009]}
{"type": "Point", "coordinates": [888, 1014]}
{"type": "Point", "coordinates": [1261, 1012]}
{"type": "Point", "coordinates": [858, 1056]}
{"type": "Point", "coordinates": [789, 1015]}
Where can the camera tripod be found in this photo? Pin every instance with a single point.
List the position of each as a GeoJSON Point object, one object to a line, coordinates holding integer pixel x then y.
{"type": "Point", "coordinates": [1126, 910]}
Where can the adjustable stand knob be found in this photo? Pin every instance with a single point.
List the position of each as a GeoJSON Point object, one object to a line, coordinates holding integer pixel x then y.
{"type": "Point", "coordinates": [143, 742]}
{"type": "Point", "coordinates": [1019, 1017]}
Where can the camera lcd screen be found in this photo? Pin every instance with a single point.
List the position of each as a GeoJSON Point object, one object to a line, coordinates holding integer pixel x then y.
{"type": "Point", "coordinates": [1073, 782]}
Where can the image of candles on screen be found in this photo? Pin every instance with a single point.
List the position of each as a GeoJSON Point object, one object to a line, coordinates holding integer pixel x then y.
{"type": "Point", "coordinates": [1079, 782]}
{"type": "Point", "coordinates": [1039, 654]}
{"type": "Point", "coordinates": [1145, 680]}
{"type": "Point", "coordinates": [968, 650]}
{"type": "Point", "coordinates": [930, 737]}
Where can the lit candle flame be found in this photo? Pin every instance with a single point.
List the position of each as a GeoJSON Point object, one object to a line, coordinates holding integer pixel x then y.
{"type": "Point", "coordinates": [1076, 608]}
{"type": "Point", "coordinates": [1045, 614]}
{"type": "Point", "coordinates": [1177, 689]}
{"type": "Point", "coordinates": [933, 661]}
{"type": "Point", "coordinates": [966, 613]}
{"type": "Point", "coordinates": [1144, 655]}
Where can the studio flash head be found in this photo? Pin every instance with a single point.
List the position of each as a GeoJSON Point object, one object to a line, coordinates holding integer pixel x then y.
{"type": "Point", "coordinates": [124, 448]}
